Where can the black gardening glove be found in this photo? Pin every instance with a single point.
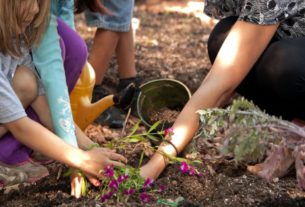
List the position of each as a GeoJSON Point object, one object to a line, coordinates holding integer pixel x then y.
{"type": "Point", "coordinates": [124, 98]}
{"type": "Point", "coordinates": [124, 82]}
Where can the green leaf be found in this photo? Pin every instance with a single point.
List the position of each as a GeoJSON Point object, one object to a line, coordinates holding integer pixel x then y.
{"type": "Point", "coordinates": [135, 139]}
{"type": "Point", "coordinates": [154, 138]}
{"type": "Point", "coordinates": [110, 145]}
{"type": "Point", "coordinates": [197, 161]}
{"type": "Point", "coordinates": [69, 172]}
{"type": "Point", "coordinates": [167, 203]}
{"type": "Point", "coordinates": [134, 128]}
{"type": "Point", "coordinates": [141, 159]}
{"type": "Point", "coordinates": [84, 186]}
{"type": "Point", "coordinates": [94, 145]}
{"type": "Point", "coordinates": [154, 126]}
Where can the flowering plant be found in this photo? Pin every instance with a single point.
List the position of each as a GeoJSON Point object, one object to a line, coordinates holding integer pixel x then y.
{"type": "Point", "coordinates": [125, 182]}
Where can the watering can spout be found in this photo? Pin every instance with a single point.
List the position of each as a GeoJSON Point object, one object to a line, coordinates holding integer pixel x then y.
{"type": "Point", "coordinates": [85, 112]}
{"type": "Point", "coordinates": [88, 112]}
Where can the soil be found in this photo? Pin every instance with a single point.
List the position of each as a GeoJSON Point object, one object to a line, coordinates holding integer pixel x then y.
{"type": "Point", "coordinates": [165, 115]}
{"type": "Point", "coordinates": [169, 44]}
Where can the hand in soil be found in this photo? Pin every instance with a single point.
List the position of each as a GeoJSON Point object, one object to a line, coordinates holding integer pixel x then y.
{"type": "Point", "coordinates": [98, 158]}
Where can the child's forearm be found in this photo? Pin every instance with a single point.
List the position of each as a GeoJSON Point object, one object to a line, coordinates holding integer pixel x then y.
{"type": "Point", "coordinates": [41, 107]}
{"type": "Point", "coordinates": [42, 140]}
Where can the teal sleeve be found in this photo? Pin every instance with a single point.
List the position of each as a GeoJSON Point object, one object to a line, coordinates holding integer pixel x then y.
{"type": "Point", "coordinates": [64, 10]}
{"type": "Point", "coordinates": [49, 63]}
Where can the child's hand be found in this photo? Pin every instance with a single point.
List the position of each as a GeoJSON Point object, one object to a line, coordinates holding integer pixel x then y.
{"type": "Point", "coordinates": [97, 159]}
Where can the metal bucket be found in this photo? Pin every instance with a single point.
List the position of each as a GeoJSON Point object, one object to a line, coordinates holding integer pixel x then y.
{"type": "Point", "coordinates": [161, 93]}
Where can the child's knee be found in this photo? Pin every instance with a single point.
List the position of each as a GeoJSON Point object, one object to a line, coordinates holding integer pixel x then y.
{"type": "Point", "coordinates": [25, 84]}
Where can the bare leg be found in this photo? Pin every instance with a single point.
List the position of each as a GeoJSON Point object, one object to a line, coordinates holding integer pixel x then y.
{"type": "Point", "coordinates": [3, 130]}
{"type": "Point", "coordinates": [125, 55]}
{"type": "Point", "coordinates": [105, 44]}
{"type": "Point", "coordinates": [41, 107]}
{"type": "Point", "coordinates": [103, 48]}
{"type": "Point", "coordinates": [25, 86]}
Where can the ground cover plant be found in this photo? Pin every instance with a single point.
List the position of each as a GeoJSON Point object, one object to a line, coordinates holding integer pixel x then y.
{"type": "Point", "coordinates": [252, 136]}
{"type": "Point", "coordinates": [170, 44]}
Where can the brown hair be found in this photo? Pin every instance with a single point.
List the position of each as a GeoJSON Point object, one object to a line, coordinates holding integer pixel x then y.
{"type": "Point", "coordinates": [11, 19]}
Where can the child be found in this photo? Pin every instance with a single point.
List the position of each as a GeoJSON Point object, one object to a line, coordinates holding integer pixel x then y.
{"type": "Point", "coordinates": [20, 87]}
{"type": "Point", "coordinates": [113, 36]}
{"type": "Point", "coordinates": [258, 50]}
{"type": "Point", "coordinates": [59, 59]}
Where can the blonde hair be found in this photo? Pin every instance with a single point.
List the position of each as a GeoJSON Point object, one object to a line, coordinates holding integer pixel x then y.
{"type": "Point", "coordinates": [11, 20]}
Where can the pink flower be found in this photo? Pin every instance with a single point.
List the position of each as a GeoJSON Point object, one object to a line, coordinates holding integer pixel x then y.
{"type": "Point", "coordinates": [184, 167]}
{"type": "Point", "coordinates": [114, 185]}
{"type": "Point", "coordinates": [126, 177]}
{"type": "Point", "coordinates": [200, 174]}
{"type": "Point", "coordinates": [103, 198]}
{"type": "Point", "coordinates": [106, 196]}
{"type": "Point", "coordinates": [122, 178]}
{"type": "Point", "coordinates": [192, 171]}
{"type": "Point", "coordinates": [129, 191]}
{"type": "Point", "coordinates": [169, 132]}
{"type": "Point", "coordinates": [145, 198]}
{"type": "Point", "coordinates": [161, 189]}
{"type": "Point", "coordinates": [147, 183]}
{"type": "Point", "coordinates": [109, 171]}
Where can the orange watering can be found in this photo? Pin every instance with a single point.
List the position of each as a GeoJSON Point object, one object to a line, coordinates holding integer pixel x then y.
{"type": "Point", "coordinates": [85, 112]}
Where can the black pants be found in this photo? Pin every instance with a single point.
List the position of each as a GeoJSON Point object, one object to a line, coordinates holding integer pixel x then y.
{"type": "Point", "coordinates": [276, 83]}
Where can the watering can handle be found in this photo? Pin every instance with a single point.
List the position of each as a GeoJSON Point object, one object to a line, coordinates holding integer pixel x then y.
{"type": "Point", "coordinates": [88, 74]}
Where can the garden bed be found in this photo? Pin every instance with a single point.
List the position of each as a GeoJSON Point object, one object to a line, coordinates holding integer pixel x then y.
{"type": "Point", "coordinates": [168, 45]}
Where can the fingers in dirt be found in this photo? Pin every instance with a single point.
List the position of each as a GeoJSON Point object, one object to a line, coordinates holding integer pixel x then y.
{"type": "Point", "coordinates": [115, 163]}
{"type": "Point", "coordinates": [118, 157]}
{"type": "Point", "coordinates": [93, 180]}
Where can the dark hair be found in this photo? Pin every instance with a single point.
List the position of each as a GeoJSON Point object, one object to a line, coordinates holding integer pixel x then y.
{"type": "Point", "coordinates": [81, 5]}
